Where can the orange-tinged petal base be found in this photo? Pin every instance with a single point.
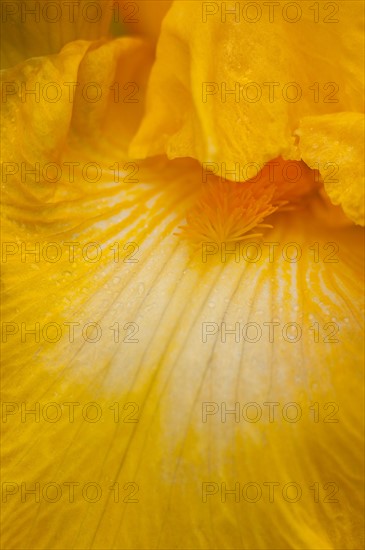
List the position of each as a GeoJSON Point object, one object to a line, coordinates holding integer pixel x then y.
{"type": "Point", "coordinates": [229, 211]}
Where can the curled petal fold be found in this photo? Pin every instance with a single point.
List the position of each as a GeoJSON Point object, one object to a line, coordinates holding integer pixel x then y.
{"type": "Point", "coordinates": [334, 145]}
{"type": "Point", "coordinates": [243, 102]}
{"type": "Point", "coordinates": [88, 100]}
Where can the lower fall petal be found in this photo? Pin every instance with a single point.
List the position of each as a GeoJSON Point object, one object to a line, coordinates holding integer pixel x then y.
{"type": "Point", "coordinates": [166, 372]}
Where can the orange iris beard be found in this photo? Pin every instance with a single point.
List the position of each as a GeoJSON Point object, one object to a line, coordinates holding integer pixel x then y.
{"type": "Point", "coordinates": [228, 211]}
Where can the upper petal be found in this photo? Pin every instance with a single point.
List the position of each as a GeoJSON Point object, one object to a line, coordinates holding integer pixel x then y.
{"type": "Point", "coordinates": [140, 18]}
{"type": "Point", "coordinates": [232, 87]}
{"type": "Point", "coordinates": [334, 145]}
{"type": "Point", "coordinates": [191, 111]}
{"type": "Point", "coordinates": [89, 97]}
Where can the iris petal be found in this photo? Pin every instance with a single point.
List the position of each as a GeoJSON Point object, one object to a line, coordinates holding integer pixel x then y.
{"type": "Point", "coordinates": [165, 379]}
{"type": "Point", "coordinates": [32, 29]}
{"type": "Point", "coordinates": [334, 144]}
{"type": "Point", "coordinates": [169, 376]}
{"type": "Point", "coordinates": [139, 18]}
{"type": "Point", "coordinates": [244, 101]}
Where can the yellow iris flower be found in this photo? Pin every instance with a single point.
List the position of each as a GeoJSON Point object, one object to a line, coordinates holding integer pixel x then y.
{"type": "Point", "coordinates": [182, 275]}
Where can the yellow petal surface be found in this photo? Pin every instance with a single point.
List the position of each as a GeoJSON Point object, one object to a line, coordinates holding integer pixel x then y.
{"type": "Point", "coordinates": [334, 145]}
{"type": "Point", "coordinates": [87, 98]}
{"type": "Point", "coordinates": [232, 82]}
{"type": "Point", "coordinates": [140, 18]}
{"type": "Point", "coordinates": [31, 29]}
{"type": "Point", "coordinates": [144, 355]}
{"type": "Point", "coordinates": [116, 332]}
